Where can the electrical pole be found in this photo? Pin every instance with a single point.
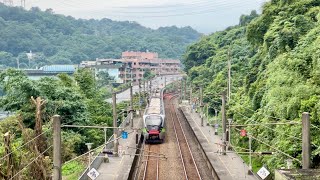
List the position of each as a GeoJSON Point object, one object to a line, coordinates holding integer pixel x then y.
{"type": "Point", "coordinates": [181, 92]}
{"type": "Point", "coordinates": [306, 149]}
{"type": "Point", "coordinates": [56, 123]}
{"type": "Point", "coordinates": [223, 113]}
{"type": "Point", "coordinates": [201, 105]}
{"type": "Point", "coordinates": [125, 73]}
{"type": "Point", "coordinates": [139, 81]}
{"type": "Point", "coordinates": [207, 112]}
{"type": "Point", "coordinates": [131, 105]}
{"type": "Point", "coordinates": [250, 154]}
{"type": "Point", "coordinates": [23, 3]}
{"type": "Point", "coordinates": [150, 87]}
{"type": "Point", "coordinates": [190, 102]}
{"type": "Point", "coordinates": [229, 75]}
{"type": "Point", "coordinates": [115, 130]}
{"type": "Point", "coordinates": [185, 90]}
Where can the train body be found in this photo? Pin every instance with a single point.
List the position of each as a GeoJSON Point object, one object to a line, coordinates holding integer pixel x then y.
{"type": "Point", "coordinates": [154, 118]}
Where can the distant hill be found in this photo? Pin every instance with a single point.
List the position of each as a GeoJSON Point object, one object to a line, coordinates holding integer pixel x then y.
{"type": "Point", "coordinates": [58, 39]}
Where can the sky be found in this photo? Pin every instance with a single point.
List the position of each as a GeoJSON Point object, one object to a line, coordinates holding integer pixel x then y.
{"type": "Point", "coordinates": [206, 16]}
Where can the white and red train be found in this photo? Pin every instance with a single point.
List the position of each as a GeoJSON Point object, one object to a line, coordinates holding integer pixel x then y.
{"type": "Point", "coordinates": [154, 118]}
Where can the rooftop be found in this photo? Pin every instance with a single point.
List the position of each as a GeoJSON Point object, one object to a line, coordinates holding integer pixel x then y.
{"type": "Point", "coordinates": [58, 68]}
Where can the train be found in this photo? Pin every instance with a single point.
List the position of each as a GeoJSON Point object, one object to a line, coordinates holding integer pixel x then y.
{"type": "Point", "coordinates": [154, 118]}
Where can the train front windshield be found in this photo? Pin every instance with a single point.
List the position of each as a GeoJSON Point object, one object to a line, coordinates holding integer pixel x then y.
{"type": "Point", "coordinates": [153, 122]}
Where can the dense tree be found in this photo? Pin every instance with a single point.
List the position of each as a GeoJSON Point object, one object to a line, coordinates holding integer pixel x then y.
{"type": "Point", "coordinates": [275, 75]}
{"type": "Point", "coordinates": [66, 40]}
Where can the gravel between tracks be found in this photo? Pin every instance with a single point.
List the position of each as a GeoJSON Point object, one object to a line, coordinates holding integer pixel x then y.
{"type": "Point", "coordinates": [200, 161]}
{"type": "Point", "coordinates": [172, 167]}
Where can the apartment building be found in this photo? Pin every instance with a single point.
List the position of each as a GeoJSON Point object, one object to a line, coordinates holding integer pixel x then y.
{"type": "Point", "coordinates": [132, 66]}
{"type": "Point", "coordinates": [136, 63]}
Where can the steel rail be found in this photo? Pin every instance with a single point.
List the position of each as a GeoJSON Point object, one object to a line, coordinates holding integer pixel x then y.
{"type": "Point", "coordinates": [176, 134]}
{"type": "Point", "coordinates": [185, 138]}
{"type": "Point", "coordinates": [194, 162]}
{"type": "Point", "coordinates": [146, 169]}
{"type": "Point", "coordinates": [146, 166]}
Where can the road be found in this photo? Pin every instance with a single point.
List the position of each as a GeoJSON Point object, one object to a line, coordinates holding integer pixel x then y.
{"type": "Point", "coordinates": [125, 95]}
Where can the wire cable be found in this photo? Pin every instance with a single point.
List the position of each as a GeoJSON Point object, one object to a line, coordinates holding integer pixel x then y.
{"type": "Point", "coordinates": [31, 162]}
{"type": "Point", "coordinates": [251, 120]}
{"type": "Point", "coordinates": [249, 134]}
{"type": "Point", "coordinates": [83, 154]}
{"type": "Point", "coordinates": [25, 144]}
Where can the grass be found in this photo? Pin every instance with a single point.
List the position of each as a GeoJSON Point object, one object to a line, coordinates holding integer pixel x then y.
{"type": "Point", "coordinates": [72, 170]}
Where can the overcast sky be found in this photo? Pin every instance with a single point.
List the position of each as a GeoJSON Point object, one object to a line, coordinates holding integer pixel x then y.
{"type": "Point", "coordinates": [206, 16]}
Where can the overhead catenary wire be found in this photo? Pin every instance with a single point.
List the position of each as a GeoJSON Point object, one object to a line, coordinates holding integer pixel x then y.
{"type": "Point", "coordinates": [267, 126]}
{"type": "Point", "coordinates": [150, 15]}
{"type": "Point", "coordinates": [18, 148]}
{"type": "Point", "coordinates": [83, 154]}
{"type": "Point", "coordinates": [288, 155]}
{"type": "Point", "coordinates": [110, 141]}
{"type": "Point", "coordinates": [172, 7]}
{"type": "Point", "coordinates": [31, 162]}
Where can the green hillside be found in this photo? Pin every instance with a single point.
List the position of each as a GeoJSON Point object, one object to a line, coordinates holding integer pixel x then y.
{"type": "Point", "coordinates": [275, 76]}
{"type": "Point", "coordinates": [57, 39]}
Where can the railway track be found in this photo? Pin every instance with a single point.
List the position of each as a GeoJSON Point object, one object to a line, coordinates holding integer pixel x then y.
{"type": "Point", "coordinates": [190, 168]}
{"type": "Point", "coordinates": [151, 170]}
{"type": "Point", "coordinates": [173, 158]}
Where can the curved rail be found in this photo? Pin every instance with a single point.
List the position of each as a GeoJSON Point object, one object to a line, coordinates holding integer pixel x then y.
{"type": "Point", "coordinates": [184, 156]}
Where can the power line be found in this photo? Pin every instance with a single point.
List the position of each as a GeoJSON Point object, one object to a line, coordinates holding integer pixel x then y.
{"type": "Point", "coordinates": [122, 14]}
{"type": "Point", "coordinates": [31, 162]}
{"type": "Point", "coordinates": [24, 144]}
{"type": "Point", "coordinates": [249, 134]}
{"type": "Point", "coordinates": [267, 126]}
{"type": "Point", "coordinates": [84, 154]}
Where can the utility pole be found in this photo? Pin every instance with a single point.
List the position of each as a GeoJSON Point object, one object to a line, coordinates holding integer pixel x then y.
{"type": "Point", "coordinates": [216, 122]}
{"type": "Point", "coordinates": [139, 83]}
{"type": "Point", "coordinates": [190, 102]}
{"type": "Point", "coordinates": [250, 154]}
{"type": "Point", "coordinates": [165, 81]}
{"type": "Point", "coordinates": [201, 105]}
{"type": "Point", "coordinates": [207, 112]}
{"type": "Point", "coordinates": [131, 105]}
{"type": "Point", "coordinates": [223, 113]}
{"type": "Point", "coordinates": [306, 150]}
{"type": "Point", "coordinates": [150, 87]}
{"type": "Point", "coordinates": [56, 123]}
{"type": "Point", "coordinates": [229, 75]}
{"type": "Point", "coordinates": [181, 92]}
{"type": "Point", "coordinates": [185, 89]}
{"type": "Point", "coordinates": [18, 63]}
{"type": "Point", "coordinates": [125, 73]}
{"type": "Point", "coordinates": [115, 130]}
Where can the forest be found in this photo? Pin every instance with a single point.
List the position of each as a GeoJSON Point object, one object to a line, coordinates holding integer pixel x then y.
{"type": "Point", "coordinates": [58, 39]}
{"type": "Point", "coordinates": [274, 78]}
{"type": "Point", "coordinates": [79, 100]}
